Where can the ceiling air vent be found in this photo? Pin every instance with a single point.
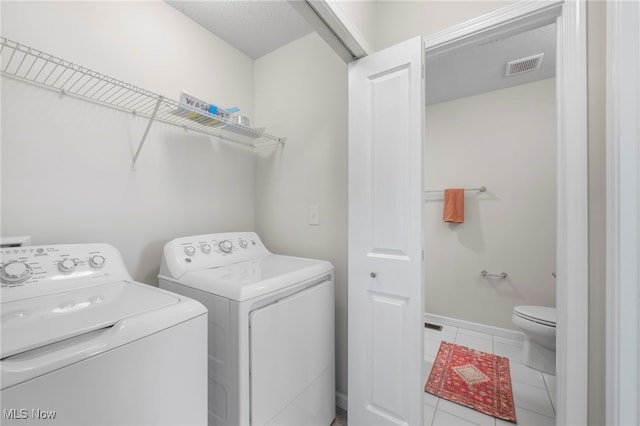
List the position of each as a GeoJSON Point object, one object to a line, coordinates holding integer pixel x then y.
{"type": "Point", "coordinates": [523, 65]}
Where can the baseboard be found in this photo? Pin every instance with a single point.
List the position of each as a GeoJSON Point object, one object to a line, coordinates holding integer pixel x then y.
{"type": "Point", "coordinates": [481, 328]}
{"type": "Point", "coordinates": [341, 400]}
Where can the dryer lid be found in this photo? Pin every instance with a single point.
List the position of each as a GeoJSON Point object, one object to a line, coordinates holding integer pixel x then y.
{"type": "Point", "coordinates": [254, 278]}
{"type": "Point", "coordinates": [540, 314]}
{"type": "Point", "coordinates": [38, 321]}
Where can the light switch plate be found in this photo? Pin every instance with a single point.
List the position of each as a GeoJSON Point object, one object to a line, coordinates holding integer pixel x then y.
{"type": "Point", "coordinates": [314, 215]}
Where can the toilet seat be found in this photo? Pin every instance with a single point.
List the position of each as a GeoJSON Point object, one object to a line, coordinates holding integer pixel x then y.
{"type": "Point", "coordinates": [538, 314]}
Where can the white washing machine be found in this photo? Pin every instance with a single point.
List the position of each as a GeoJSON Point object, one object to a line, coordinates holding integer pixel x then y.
{"type": "Point", "coordinates": [271, 328]}
{"type": "Point", "coordinates": [82, 344]}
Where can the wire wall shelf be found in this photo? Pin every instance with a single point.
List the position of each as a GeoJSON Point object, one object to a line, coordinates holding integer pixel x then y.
{"type": "Point", "coordinates": [42, 69]}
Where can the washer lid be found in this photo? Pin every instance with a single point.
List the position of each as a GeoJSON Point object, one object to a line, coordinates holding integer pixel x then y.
{"type": "Point", "coordinates": [540, 314]}
{"type": "Point", "coordinates": [38, 321]}
{"type": "Point", "coordinates": [246, 280]}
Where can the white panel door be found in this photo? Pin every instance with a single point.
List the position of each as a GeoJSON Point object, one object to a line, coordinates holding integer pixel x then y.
{"type": "Point", "coordinates": [386, 114]}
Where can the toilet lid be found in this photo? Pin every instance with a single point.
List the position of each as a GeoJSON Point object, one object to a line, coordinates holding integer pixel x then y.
{"type": "Point", "coordinates": [540, 314]}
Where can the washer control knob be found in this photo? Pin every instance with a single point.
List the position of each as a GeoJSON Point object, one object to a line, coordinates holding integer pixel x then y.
{"type": "Point", "coordinates": [190, 250]}
{"type": "Point", "coordinates": [97, 261]}
{"type": "Point", "coordinates": [67, 265]}
{"type": "Point", "coordinates": [206, 248]}
{"type": "Point", "coordinates": [225, 246]}
{"type": "Point", "coordinates": [243, 244]}
{"type": "Point", "coordinates": [15, 272]}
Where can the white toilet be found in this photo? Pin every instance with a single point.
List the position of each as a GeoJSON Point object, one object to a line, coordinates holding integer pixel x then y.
{"type": "Point", "coordinates": [539, 326]}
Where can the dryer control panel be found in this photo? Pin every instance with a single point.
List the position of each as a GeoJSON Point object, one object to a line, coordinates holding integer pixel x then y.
{"type": "Point", "coordinates": [39, 270]}
{"type": "Point", "coordinates": [210, 251]}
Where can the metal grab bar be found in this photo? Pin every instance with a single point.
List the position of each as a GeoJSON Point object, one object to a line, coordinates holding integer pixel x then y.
{"type": "Point", "coordinates": [500, 275]}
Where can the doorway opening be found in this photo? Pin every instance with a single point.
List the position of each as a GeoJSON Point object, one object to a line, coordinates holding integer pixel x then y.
{"type": "Point", "coordinates": [570, 169]}
{"type": "Point", "coordinates": [491, 124]}
{"type": "Point", "coordinates": [393, 70]}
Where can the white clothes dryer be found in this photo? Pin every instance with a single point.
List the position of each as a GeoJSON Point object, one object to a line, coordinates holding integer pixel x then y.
{"type": "Point", "coordinates": [271, 328]}
{"type": "Point", "coordinates": [83, 344]}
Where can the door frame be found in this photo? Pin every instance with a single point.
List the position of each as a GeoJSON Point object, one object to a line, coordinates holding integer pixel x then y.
{"type": "Point", "coordinates": [623, 211]}
{"type": "Point", "coordinates": [572, 184]}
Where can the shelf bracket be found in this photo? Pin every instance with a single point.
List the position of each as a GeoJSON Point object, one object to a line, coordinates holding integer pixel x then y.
{"type": "Point", "coordinates": [146, 132]}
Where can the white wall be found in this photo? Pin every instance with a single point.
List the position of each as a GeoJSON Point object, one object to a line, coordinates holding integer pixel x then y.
{"type": "Point", "coordinates": [364, 14]}
{"type": "Point", "coordinates": [399, 20]}
{"type": "Point", "coordinates": [504, 140]}
{"type": "Point", "coordinates": [301, 91]}
{"type": "Point", "coordinates": [66, 163]}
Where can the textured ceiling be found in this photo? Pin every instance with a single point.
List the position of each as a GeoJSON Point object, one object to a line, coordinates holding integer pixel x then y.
{"type": "Point", "coordinates": [255, 27]}
{"type": "Point", "coordinates": [480, 67]}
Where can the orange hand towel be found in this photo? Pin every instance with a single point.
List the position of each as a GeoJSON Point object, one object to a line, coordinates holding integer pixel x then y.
{"type": "Point", "coordinates": [453, 205]}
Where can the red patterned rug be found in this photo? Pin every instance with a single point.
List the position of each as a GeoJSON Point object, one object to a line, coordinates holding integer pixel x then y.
{"type": "Point", "coordinates": [474, 379]}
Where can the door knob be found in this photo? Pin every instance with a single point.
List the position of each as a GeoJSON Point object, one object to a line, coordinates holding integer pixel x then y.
{"type": "Point", "coordinates": [372, 275]}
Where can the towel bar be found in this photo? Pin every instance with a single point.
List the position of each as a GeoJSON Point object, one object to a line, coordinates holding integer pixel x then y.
{"type": "Point", "coordinates": [481, 189]}
{"type": "Point", "coordinates": [500, 275]}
